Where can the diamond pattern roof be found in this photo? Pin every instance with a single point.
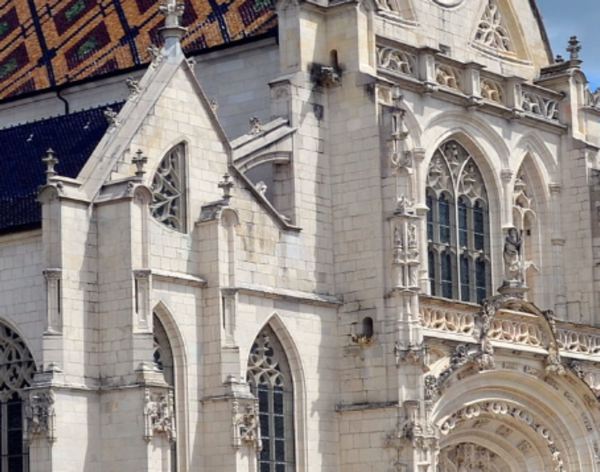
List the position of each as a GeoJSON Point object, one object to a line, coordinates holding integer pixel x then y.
{"type": "Point", "coordinates": [44, 43]}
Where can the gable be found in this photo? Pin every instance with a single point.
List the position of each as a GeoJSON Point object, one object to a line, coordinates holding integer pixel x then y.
{"type": "Point", "coordinates": [44, 44]}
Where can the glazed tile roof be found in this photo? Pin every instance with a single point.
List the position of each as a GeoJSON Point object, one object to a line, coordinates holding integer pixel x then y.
{"type": "Point", "coordinates": [73, 137]}
{"type": "Point", "coordinates": [44, 43]}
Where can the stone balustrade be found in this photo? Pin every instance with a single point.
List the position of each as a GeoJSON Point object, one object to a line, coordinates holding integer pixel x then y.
{"type": "Point", "coordinates": [435, 72]}
{"type": "Point", "coordinates": [442, 319]}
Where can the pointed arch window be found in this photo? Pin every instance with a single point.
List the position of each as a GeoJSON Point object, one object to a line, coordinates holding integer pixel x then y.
{"type": "Point", "coordinates": [16, 374]}
{"type": "Point", "coordinates": [168, 204]}
{"type": "Point", "coordinates": [457, 226]}
{"type": "Point", "coordinates": [163, 360]}
{"type": "Point", "coordinates": [270, 380]}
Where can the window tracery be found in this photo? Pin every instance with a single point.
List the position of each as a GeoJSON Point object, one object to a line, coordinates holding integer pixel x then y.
{"type": "Point", "coordinates": [16, 374]}
{"type": "Point", "coordinates": [457, 226]}
{"type": "Point", "coordinates": [168, 204]}
{"type": "Point", "coordinates": [492, 31]}
{"type": "Point", "coordinates": [270, 380]}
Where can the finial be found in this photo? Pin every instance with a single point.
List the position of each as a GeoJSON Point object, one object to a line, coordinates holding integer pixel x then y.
{"type": "Point", "coordinates": [559, 59]}
{"type": "Point", "coordinates": [172, 32]}
{"type": "Point", "coordinates": [574, 48]}
{"type": "Point", "coordinates": [226, 185]}
{"type": "Point", "coordinates": [51, 161]}
{"type": "Point", "coordinates": [140, 161]}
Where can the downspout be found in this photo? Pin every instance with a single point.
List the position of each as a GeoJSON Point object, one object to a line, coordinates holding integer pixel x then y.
{"type": "Point", "coordinates": [64, 100]}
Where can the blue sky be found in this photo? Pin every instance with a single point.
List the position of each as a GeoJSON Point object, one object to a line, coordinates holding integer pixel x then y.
{"type": "Point", "coordinates": [564, 18]}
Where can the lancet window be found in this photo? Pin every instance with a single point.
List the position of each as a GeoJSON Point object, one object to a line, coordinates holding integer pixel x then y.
{"type": "Point", "coordinates": [16, 373]}
{"type": "Point", "coordinates": [168, 190]}
{"type": "Point", "coordinates": [163, 361]}
{"type": "Point", "coordinates": [457, 226]}
{"type": "Point", "coordinates": [270, 380]}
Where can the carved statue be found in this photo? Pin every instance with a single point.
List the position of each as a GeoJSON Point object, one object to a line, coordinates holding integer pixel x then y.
{"type": "Point", "coordinates": [513, 256]}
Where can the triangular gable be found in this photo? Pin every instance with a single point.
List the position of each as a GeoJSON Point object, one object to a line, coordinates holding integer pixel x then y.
{"type": "Point", "coordinates": [116, 142]}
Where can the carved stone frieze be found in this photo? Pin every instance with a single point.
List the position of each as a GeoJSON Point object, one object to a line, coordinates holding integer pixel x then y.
{"type": "Point", "coordinates": [492, 91]}
{"type": "Point", "coordinates": [159, 414]}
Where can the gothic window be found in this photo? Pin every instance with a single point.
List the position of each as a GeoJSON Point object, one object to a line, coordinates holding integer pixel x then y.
{"type": "Point", "coordinates": [492, 31]}
{"type": "Point", "coordinates": [270, 380]}
{"type": "Point", "coordinates": [16, 373]}
{"type": "Point", "coordinates": [457, 226]}
{"type": "Point", "coordinates": [163, 360]}
{"type": "Point", "coordinates": [168, 190]}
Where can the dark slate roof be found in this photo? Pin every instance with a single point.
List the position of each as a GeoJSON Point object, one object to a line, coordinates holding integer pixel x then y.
{"type": "Point", "coordinates": [48, 43]}
{"type": "Point", "coordinates": [73, 137]}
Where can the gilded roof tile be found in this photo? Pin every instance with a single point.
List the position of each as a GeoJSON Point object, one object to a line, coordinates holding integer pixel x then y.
{"type": "Point", "coordinates": [44, 43]}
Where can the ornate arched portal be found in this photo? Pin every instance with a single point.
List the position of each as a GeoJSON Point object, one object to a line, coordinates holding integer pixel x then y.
{"type": "Point", "coordinates": [510, 421]}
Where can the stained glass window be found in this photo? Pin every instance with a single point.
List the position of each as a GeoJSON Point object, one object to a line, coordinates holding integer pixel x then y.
{"type": "Point", "coordinates": [16, 372]}
{"type": "Point", "coordinates": [457, 226]}
{"type": "Point", "coordinates": [270, 380]}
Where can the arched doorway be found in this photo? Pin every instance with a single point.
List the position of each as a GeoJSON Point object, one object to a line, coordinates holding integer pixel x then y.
{"type": "Point", "coordinates": [510, 421]}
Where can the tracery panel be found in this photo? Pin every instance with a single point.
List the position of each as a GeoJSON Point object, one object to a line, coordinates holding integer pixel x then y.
{"type": "Point", "coordinates": [168, 204]}
{"type": "Point", "coordinates": [457, 226]}
{"type": "Point", "coordinates": [270, 380]}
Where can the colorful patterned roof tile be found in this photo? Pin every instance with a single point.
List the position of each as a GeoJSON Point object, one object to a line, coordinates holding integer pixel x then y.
{"type": "Point", "coordinates": [45, 43]}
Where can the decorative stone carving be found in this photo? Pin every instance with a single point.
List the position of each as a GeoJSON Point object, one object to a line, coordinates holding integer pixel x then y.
{"type": "Point", "coordinates": [491, 31]}
{"type": "Point", "coordinates": [492, 91]}
{"type": "Point", "coordinates": [405, 251]}
{"type": "Point", "coordinates": [134, 87]}
{"type": "Point", "coordinates": [159, 414]}
{"type": "Point", "coordinates": [460, 357]}
{"type": "Point", "coordinates": [168, 204]}
{"type": "Point", "coordinates": [396, 61]}
{"type": "Point", "coordinates": [535, 104]}
{"type": "Point", "coordinates": [411, 354]}
{"type": "Point", "coordinates": [574, 48]}
{"type": "Point", "coordinates": [256, 126]}
{"type": "Point", "coordinates": [572, 340]}
{"type": "Point", "coordinates": [448, 320]}
{"type": "Point", "coordinates": [448, 76]}
{"type": "Point", "coordinates": [246, 425]}
{"type": "Point", "coordinates": [469, 457]}
{"type": "Point", "coordinates": [553, 363]}
{"type": "Point", "coordinates": [111, 117]}
{"type": "Point", "coordinates": [40, 416]}
{"type": "Point", "coordinates": [399, 157]}
{"type": "Point", "coordinates": [155, 54]}
{"type": "Point", "coordinates": [513, 263]}
{"type": "Point", "coordinates": [593, 98]}
{"type": "Point", "coordinates": [519, 332]}
{"type": "Point", "coordinates": [501, 408]}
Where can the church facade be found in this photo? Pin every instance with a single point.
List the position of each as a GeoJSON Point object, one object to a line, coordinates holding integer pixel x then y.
{"type": "Point", "coordinates": [343, 236]}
